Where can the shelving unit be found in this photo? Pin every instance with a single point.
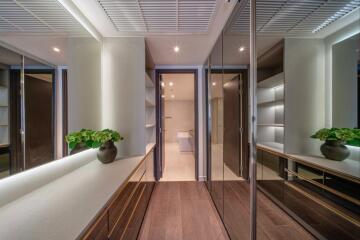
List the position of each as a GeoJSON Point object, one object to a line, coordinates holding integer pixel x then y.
{"type": "Point", "coordinates": [4, 106]}
{"type": "Point", "coordinates": [150, 110]}
{"type": "Point", "coordinates": [270, 98]}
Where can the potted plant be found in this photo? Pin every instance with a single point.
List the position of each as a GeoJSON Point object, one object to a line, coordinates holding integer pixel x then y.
{"type": "Point", "coordinates": [77, 141]}
{"type": "Point", "coordinates": [104, 140]}
{"type": "Point", "coordinates": [335, 139]}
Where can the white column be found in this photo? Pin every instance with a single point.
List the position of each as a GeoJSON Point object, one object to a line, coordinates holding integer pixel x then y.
{"type": "Point", "coordinates": [123, 92]}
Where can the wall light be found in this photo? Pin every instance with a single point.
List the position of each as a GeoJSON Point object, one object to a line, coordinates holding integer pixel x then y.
{"type": "Point", "coordinates": [163, 96]}
{"type": "Point", "coordinates": [214, 83]}
{"type": "Point", "coordinates": [162, 84]}
{"type": "Point", "coordinates": [56, 49]}
{"type": "Point", "coordinates": [176, 49]}
{"type": "Point", "coordinates": [171, 84]}
{"type": "Point", "coordinates": [172, 96]}
{"type": "Point", "coordinates": [278, 87]}
{"type": "Point", "coordinates": [241, 49]}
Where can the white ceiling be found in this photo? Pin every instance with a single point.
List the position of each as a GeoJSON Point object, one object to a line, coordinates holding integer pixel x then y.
{"type": "Point", "coordinates": [40, 46]}
{"type": "Point", "coordinates": [182, 89]}
{"type": "Point", "coordinates": [193, 25]}
{"type": "Point", "coordinates": [38, 16]}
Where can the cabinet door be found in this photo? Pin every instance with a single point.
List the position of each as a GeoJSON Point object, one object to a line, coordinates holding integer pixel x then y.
{"type": "Point", "coordinates": [99, 230]}
{"type": "Point", "coordinates": [117, 208]}
{"type": "Point", "coordinates": [133, 229]}
{"type": "Point", "coordinates": [121, 225]}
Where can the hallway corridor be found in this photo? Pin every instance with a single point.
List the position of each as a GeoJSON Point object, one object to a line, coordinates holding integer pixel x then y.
{"type": "Point", "coordinates": [181, 210]}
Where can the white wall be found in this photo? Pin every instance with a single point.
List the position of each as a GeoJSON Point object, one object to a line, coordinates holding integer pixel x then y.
{"type": "Point", "coordinates": [123, 92]}
{"type": "Point", "coordinates": [304, 94]}
{"type": "Point", "coordinates": [330, 40]}
{"type": "Point", "coordinates": [84, 82]}
{"type": "Point", "coordinates": [179, 117]}
{"type": "Point", "coordinates": [344, 82]}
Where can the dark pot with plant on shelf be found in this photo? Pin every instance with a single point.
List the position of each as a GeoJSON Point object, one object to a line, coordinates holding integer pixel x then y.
{"type": "Point", "coordinates": [77, 140]}
{"type": "Point", "coordinates": [335, 139]}
{"type": "Point", "coordinates": [104, 140]}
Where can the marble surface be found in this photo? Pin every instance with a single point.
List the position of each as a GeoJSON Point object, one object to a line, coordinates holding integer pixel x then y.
{"type": "Point", "coordinates": [62, 208]}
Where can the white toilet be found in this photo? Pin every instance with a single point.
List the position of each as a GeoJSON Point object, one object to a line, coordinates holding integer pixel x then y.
{"type": "Point", "coordinates": [185, 141]}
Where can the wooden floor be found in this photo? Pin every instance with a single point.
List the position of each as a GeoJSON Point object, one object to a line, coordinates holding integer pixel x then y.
{"type": "Point", "coordinates": [182, 210]}
{"type": "Point", "coordinates": [272, 222]}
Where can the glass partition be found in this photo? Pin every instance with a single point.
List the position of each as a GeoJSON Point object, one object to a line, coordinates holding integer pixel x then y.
{"type": "Point", "coordinates": [307, 67]}
{"type": "Point", "coordinates": [10, 75]}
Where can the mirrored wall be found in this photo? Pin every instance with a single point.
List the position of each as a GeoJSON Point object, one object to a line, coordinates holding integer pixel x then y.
{"type": "Point", "coordinates": [308, 142]}
{"type": "Point", "coordinates": [27, 112]}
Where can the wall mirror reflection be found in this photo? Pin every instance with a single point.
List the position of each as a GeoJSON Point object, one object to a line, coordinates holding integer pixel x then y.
{"type": "Point", "coordinates": [345, 82]}
{"type": "Point", "coordinates": [36, 59]}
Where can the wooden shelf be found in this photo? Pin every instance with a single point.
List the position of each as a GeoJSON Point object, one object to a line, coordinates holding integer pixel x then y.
{"type": "Point", "coordinates": [271, 103]}
{"type": "Point", "coordinates": [148, 82]}
{"type": "Point", "coordinates": [270, 124]}
{"type": "Point", "coordinates": [272, 81]}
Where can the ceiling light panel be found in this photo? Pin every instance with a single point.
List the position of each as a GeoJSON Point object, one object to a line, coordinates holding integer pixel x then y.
{"type": "Point", "coordinates": [44, 16]}
{"type": "Point", "coordinates": [293, 17]}
{"type": "Point", "coordinates": [157, 16]}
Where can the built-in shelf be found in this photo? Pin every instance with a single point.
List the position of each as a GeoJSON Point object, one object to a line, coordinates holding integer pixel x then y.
{"type": "Point", "coordinates": [273, 81]}
{"type": "Point", "coordinates": [272, 103]}
{"type": "Point", "coordinates": [148, 82]}
{"type": "Point", "coordinates": [150, 125]}
{"type": "Point", "coordinates": [148, 103]}
{"type": "Point", "coordinates": [272, 145]}
{"type": "Point", "coordinates": [270, 124]}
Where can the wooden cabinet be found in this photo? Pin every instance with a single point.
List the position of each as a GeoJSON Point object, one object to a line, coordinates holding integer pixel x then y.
{"type": "Point", "coordinates": [122, 218]}
{"type": "Point", "coordinates": [99, 230]}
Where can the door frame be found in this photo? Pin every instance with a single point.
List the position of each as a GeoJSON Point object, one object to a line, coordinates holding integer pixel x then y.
{"type": "Point", "coordinates": [159, 140]}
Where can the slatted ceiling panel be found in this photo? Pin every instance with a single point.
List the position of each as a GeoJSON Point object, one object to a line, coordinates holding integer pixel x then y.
{"type": "Point", "coordinates": [292, 16]}
{"type": "Point", "coordinates": [195, 16]}
{"type": "Point", "coordinates": [45, 16]}
{"type": "Point", "coordinates": [124, 14]}
{"type": "Point", "coordinates": [160, 15]}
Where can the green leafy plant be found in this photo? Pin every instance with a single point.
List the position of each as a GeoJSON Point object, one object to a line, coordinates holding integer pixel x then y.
{"type": "Point", "coordinates": [101, 137]}
{"type": "Point", "coordinates": [347, 135]}
{"type": "Point", "coordinates": [91, 138]}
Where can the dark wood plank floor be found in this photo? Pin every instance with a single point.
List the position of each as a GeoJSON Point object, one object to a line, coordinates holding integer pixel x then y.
{"type": "Point", "coordinates": [182, 210]}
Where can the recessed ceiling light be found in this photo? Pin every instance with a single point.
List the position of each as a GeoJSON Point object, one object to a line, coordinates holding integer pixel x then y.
{"type": "Point", "coordinates": [241, 49]}
{"type": "Point", "coordinates": [176, 49]}
{"type": "Point", "coordinates": [214, 83]}
{"type": "Point", "coordinates": [172, 96]}
{"type": "Point", "coordinates": [56, 49]}
{"type": "Point", "coordinates": [171, 84]}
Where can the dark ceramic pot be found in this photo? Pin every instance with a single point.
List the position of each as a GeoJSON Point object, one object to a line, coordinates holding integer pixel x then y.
{"type": "Point", "coordinates": [335, 150]}
{"type": "Point", "coordinates": [78, 148]}
{"type": "Point", "coordinates": [107, 152]}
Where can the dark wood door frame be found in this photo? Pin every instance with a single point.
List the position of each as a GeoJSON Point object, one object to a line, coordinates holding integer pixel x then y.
{"type": "Point", "coordinates": [158, 152]}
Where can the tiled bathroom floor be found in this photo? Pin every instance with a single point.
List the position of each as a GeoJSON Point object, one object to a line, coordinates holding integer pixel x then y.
{"type": "Point", "coordinates": [179, 166]}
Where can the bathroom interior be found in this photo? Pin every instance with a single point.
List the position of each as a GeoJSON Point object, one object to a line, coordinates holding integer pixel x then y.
{"type": "Point", "coordinates": [179, 126]}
